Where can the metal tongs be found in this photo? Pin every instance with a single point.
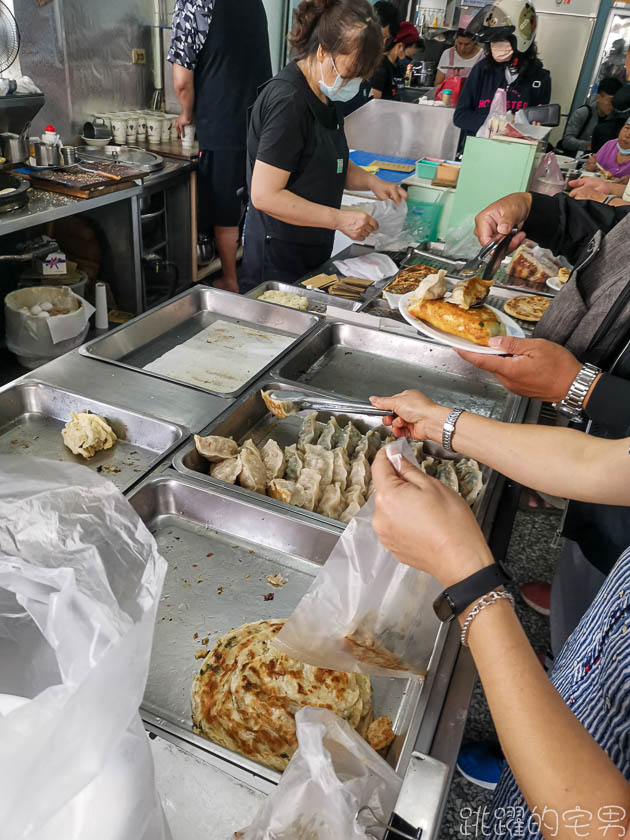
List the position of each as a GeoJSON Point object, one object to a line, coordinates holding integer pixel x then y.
{"type": "Point", "coordinates": [489, 258]}
{"type": "Point", "coordinates": [304, 401]}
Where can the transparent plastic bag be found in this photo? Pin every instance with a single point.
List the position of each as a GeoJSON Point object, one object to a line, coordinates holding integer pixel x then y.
{"type": "Point", "coordinates": [460, 242]}
{"type": "Point", "coordinates": [333, 774]}
{"type": "Point", "coordinates": [365, 612]}
{"type": "Point", "coordinates": [548, 179]}
{"type": "Point", "coordinates": [391, 219]}
{"type": "Point", "coordinates": [80, 580]}
{"type": "Point", "coordinates": [498, 115]}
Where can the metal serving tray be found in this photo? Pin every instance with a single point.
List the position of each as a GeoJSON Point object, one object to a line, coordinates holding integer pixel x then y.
{"type": "Point", "coordinates": [247, 418]}
{"type": "Point", "coordinates": [139, 342]}
{"type": "Point", "coordinates": [318, 302]}
{"type": "Point", "coordinates": [32, 415]}
{"type": "Point", "coordinates": [220, 549]}
{"type": "Point", "coordinates": [357, 362]}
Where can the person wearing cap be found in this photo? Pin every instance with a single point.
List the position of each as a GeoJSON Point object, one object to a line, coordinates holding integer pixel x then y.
{"type": "Point", "coordinates": [412, 41]}
{"type": "Point", "coordinates": [389, 79]}
{"type": "Point", "coordinates": [507, 28]}
{"type": "Point", "coordinates": [614, 156]}
{"type": "Point", "coordinates": [463, 56]}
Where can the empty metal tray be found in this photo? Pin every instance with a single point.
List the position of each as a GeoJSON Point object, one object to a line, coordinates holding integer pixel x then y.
{"type": "Point", "coordinates": [317, 301]}
{"type": "Point", "coordinates": [357, 362]}
{"type": "Point", "coordinates": [148, 337]}
{"type": "Point", "coordinates": [220, 549]}
{"type": "Point", "coordinates": [32, 415]}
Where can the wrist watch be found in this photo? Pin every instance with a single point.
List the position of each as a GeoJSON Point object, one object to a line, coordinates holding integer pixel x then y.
{"type": "Point", "coordinates": [448, 429]}
{"type": "Point", "coordinates": [454, 600]}
{"type": "Point", "coordinates": [571, 406]}
{"type": "Point", "coordinates": [608, 199]}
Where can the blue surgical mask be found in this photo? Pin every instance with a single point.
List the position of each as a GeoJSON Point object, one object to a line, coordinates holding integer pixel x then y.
{"type": "Point", "coordinates": [622, 151]}
{"type": "Point", "coordinates": [340, 90]}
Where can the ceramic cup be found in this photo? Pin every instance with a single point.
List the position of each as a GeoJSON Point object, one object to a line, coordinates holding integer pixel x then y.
{"type": "Point", "coordinates": [132, 127]}
{"type": "Point", "coordinates": [189, 135]}
{"type": "Point", "coordinates": [141, 122]}
{"type": "Point", "coordinates": [154, 129]}
{"type": "Point", "coordinates": [119, 128]}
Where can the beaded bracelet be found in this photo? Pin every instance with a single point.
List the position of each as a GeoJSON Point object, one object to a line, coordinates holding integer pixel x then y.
{"type": "Point", "coordinates": [481, 604]}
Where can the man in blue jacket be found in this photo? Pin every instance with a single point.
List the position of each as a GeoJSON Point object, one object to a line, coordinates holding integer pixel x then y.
{"type": "Point", "coordinates": [508, 28]}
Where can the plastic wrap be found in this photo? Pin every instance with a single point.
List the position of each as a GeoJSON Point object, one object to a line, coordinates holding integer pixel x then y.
{"type": "Point", "coordinates": [497, 117]}
{"type": "Point", "coordinates": [80, 580]}
{"type": "Point", "coordinates": [365, 612]}
{"type": "Point", "coordinates": [333, 774]}
{"type": "Point", "coordinates": [391, 219]}
{"type": "Point", "coordinates": [548, 179]}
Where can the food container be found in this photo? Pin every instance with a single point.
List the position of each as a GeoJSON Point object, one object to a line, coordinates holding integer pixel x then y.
{"type": "Point", "coordinates": [426, 169]}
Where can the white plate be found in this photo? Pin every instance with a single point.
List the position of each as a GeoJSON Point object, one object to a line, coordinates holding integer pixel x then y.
{"type": "Point", "coordinates": [511, 327]}
{"type": "Point", "coordinates": [554, 283]}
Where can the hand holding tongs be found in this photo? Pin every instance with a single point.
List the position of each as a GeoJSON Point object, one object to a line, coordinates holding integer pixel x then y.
{"type": "Point", "coordinates": [304, 401]}
{"type": "Point", "coordinates": [490, 258]}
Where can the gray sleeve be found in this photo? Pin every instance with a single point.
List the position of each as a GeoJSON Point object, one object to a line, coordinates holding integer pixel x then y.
{"type": "Point", "coordinates": [576, 124]}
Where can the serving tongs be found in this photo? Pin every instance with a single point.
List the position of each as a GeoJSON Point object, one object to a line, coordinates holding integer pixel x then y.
{"type": "Point", "coordinates": [302, 402]}
{"type": "Point", "coordinates": [489, 258]}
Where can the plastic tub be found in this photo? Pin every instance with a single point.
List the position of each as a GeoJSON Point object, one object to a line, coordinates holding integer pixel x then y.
{"type": "Point", "coordinates": [426, 169]}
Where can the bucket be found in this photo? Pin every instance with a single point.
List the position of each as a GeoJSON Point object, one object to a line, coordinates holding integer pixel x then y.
{"type": "Point", "coordinates": [36, 340]}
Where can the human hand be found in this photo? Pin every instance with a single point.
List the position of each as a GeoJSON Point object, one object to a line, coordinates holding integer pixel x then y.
{"type": "Point", "coordinates": [356, 224]}
{"type": "Point", "coordinates": [535, 368]}
{"type": "Point", "coordinates": [418, 416]}
{"type": "Point", "coordinates": [384, 190]}
{"type": "Point", "coordinates": [597, 184]}
{"type": "Point", "coordinates": [499, 218]}
{"type": "Point", "coordinates": [182, 121]}
{"type": "Point", "coordinates": [426, 524]}
{"type": "Point", "coordinates": [591, 164]}
{"type": "Point", "coordinates": [588, 193]}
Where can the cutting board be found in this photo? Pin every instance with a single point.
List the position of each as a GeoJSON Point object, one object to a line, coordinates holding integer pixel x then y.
{"type": "Point", "coordinates": [77, 182]}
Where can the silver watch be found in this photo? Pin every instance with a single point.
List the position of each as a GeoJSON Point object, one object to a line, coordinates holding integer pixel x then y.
{"type": "Point", "coordinates": [571, 406]}
{"type": "Point", "coordinates": [448, 429]}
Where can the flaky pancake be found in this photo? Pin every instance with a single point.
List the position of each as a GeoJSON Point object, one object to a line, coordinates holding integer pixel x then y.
{"type": "Point", "coordinates": [246, 694]}
{"type": "Point", "coordinates": [476, 325]}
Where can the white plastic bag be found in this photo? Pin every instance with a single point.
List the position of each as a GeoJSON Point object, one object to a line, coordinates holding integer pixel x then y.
{"type": "Point", "coordinates": [333, 774]}
{"type": "Point", "coordinates": [365, 612]}
{"type": "Point", "coordinates": [371, 267]}
{"type": "Point", "coordinates": [460, 242]}
{"type": "Point", "coordinates": [391, 220]}
{"type": "Point", "coordinates": [497, 115]}
{"type": "Point", "coordinates": [80, 580]}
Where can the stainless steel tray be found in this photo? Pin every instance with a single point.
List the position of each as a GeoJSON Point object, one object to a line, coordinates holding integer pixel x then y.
{"type": "Point", "coordinates": [32, 415]}
{"type": "Point", "coordinates": [356, 362]}
{"type": "Point", "coordinates": [248, 417]}
{"type": "Point", "coordinates": [317, 301]}
{"type": "Point", "coordinates": [213, 540]}
{"type": "Point", "coordinates": [149, 336]}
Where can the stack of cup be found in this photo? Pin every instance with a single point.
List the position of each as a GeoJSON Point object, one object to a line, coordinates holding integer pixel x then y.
{"type": "Point", "coordinates": [119, 128]}
{"type": "Point", "coordinates": [154, 128]}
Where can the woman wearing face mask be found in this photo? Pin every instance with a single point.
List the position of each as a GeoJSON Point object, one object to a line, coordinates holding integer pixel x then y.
{"type": "Point", "coordinates": [298, 164]}
{"type": "Point", "coordinates": [614, 156]}
{"type": "Point", "coordinates": [508, 29]}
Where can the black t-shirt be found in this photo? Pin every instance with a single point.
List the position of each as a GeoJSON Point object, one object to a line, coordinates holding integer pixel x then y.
{"type": "Point", "coordinates": [281, 128]}
{"type": "Point", "coordinates": [385, 79]}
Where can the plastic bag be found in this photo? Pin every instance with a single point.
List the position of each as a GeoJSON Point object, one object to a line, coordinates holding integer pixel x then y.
{"type": "Point", "coordinates": [460, 242]}
{"type": "Point", "coordinates": [80, 580]}
{"type": "Point", "coordinates": [548, 179]}
{"type": "Point", "coordinates": [333, 774]}
{"type": "Point", "coordinates": [371, 267]}
{"type": "Point", "coordinates": [497, 115]}
{"type": "Point", "coordinates": [365, 612]}
{"type": "Point", "coordinates": [391, 219]}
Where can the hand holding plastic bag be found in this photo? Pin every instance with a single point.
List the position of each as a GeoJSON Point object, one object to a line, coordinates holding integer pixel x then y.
{"type": "Point", "coordinates": [80, 579]}
{"type": "Point", "coordinates": [365, 612]}
{"type": "Point", "coordinates": [333, 774]}
{"type": "Point", "coordinates": [391, 220]}
{"type": "Point", "coordinates": [497, 117]}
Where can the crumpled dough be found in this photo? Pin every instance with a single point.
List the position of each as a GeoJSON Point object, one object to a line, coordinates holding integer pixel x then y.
{"type": "Point", "coordinates": [85, 434]}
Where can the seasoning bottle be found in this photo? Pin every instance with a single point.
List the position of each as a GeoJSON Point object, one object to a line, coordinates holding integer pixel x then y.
{"type": "Point", "coordinates": [446, 97]}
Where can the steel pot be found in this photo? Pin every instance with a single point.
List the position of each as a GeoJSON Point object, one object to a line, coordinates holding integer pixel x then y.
{"type": "Point", "coordinates": [14, 147]}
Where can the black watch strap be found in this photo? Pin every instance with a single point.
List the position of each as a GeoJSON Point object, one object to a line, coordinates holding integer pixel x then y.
{"type": "Point", "coordinates": [456, 598]}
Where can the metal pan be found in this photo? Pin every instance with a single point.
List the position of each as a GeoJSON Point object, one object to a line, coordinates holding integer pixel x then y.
{"type": "Point", "coordinates": [211, 541]}
{"type": "Point", "coordinates": [356, 362]}
{"type": "Point", "coordinates": [32, 415]}
{"type": "Point", "coordinates": [147, 337]}
{"type": "Point", "coordinates": [317, 301]}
